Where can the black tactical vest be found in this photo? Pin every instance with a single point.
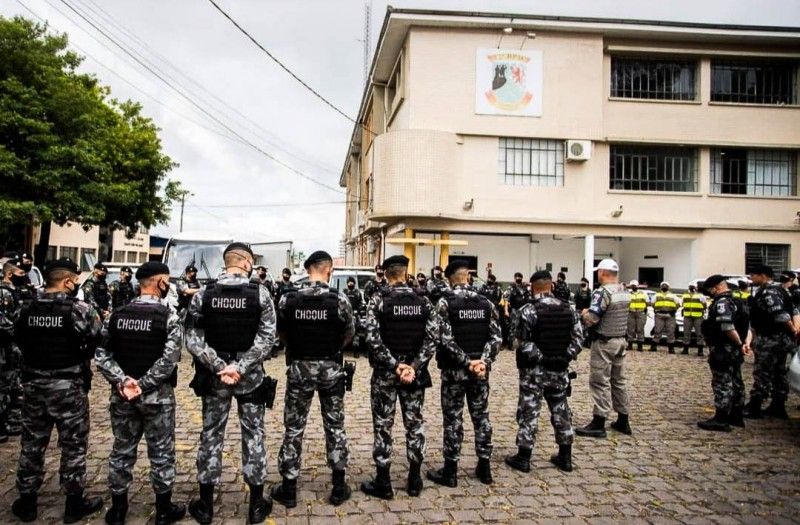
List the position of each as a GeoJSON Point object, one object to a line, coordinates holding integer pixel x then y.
{"type": "Point", "coordinates": [231, 315]}
{"type": "Point", "coordinates": [46, 335]}
{"type": "Point", "coordinates": [552, 333]}
{"type": "Point", "coordinates": [138, 334]}
{"type": "Point", "coordinates": [763, 321]}
{"type": "Point", "coordinates": [124, 295]}
{"type": "Point", "coordinates": [741, 320]}
{"type": "Point", "coordinates": [470, 318]}
{"type": "Point", "coordinates": [517, 298]}
{"type": "Point", "coordinates": [314, 330]}
{"type": "Point", "coordinates": [101, 293]}
{"type": "Point", "coordinates": [403, 322]}
{"type": "Point", "coordinates": [184, 300]}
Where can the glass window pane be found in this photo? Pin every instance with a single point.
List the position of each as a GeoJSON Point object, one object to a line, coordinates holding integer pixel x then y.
{"type": "Point", "coordinates": [531, 162]}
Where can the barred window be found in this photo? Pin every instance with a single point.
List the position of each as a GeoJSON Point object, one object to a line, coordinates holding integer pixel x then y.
{"type": "Point", "coordinates": [774, 255]}
{"type": "Point", "coordinates": [754, 82]}
{"type": "Point", "coordinates": [69, 251]}
{"type": "Point", "coordinates": [656, 79]}
{"type": "Point", "coordinates": [531, 162]}
{"type": "Point", "coordinates": [764, 172]}
{"type": "Point", "coordinates": [653, 168]}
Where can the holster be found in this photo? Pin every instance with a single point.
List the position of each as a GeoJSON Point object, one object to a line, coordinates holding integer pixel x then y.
{"type": "Point", "coordinates": [203, 381]}
{"type": "Point", "coordinates": [86, 375]}
{"type": "Point", "coordinates": [720, 359]}
{"type": "Point", "coordinates": [264, 393]}
{"type": "Point", "coordinates": [350, 372]}
{"type": "Point", "coordinates": [572, 375]}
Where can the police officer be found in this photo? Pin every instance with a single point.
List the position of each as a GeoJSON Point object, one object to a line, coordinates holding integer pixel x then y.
{"type": "Point", "coordinates": [376, 285]}
{"type": "Point", "coordinates": [357, 305]}
{"type": "Point", "coordinates": [138, 356]}
{"type": "Point", "coordinates": [13, 279]}
{"type": "Point", "coordinates": [402, 333]}
{"type": "Point", "coordinates": [725, 330]}
{"type": "Point", "coordinates": [95, 290]}
{"type": "Point", "coordinates": [264, 280]}
{"type": "Point", "coordinates": [284, 285]}
{"type": "Point", "coordinates": [773, 331]}
{"type": "Point", "coordinates": [608, 382]}
{"type": "Point", "coordinates": [550, 335]}
{"type": "Point", "coordinates": [26, 289]}
{"type": "Point", "coordinates": [787, 281]}
{"type": "Point", "coordinates": [517, 295]}
{"type": "Point", "coordinates": [230, 328]}
{"type": "Point", "coordinates": [422, 285]}
{"type": "Point", "coordinates": [187, 286]}
{"type": "Point", "coordinates": [492, 291]}
{"type": "Point", "coordinates": [315, 324]}
{"type": "Point", "coordinates": [583, 296]}
{"type": "Point", "coordinates": [57, 335]}
{"type": "Point", "coordinates": [665, 306]}
{"type": "Point", "coordinates": [470, 340]}
{"type": "Point", "coordinates": [122, 291]}
{"type": "Point", "coordinates": [561, 290]}
{"type": "Point", "coordinates": [694, 309]}
{"type": "Point", "coordinates": [637, 316]}
{"type": "Point", "coordinates": [437, 286]}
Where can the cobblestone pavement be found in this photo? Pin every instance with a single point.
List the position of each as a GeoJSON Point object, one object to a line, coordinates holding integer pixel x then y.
{"type": "Point", "coordinates": [667, 472]}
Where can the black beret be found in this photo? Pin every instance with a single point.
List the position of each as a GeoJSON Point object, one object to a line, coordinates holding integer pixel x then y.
{"type": "Point", "coordinates": [238, 246]}
{"type": "Point", "coordinates": [713, 281]}
{"type": "Point", "coordinates": [351, 279]}
{"type": "Point", "coordinates": [261, 268]}
{"type": "Point", "coordinates": [126, 269]}
{"type": "Point", "coordinates": [787, 276]}
{"type": "Point", "coordinates": [743, 284]}
{"type": "Point", "coordinates": [317, 256]}
{"type": "Point", "coordinates": [762, 269]}
{"type": "Point", "coordinates": [517, 274]}
{"type": "Point", "coordinates": [421, 275]}
{"type": "Point", "coordinates": [395, 260]}
{"type": "Point", "coordinates": [64, 263]}
{"type": "Point", "coordinates": [100, 266]}
{"type": "Point", "coordinates": [190, 268]}
{"type": "Point", "coordinates": [454, 266]}
{"type": "Point", "coordinates": [150, 269]}
{"type": "Point", "coordinates": [286, 270]}
{"type": "Point", "coordinates": [437, 267]}
{"type": "Point", "coordinates": [542, 275]}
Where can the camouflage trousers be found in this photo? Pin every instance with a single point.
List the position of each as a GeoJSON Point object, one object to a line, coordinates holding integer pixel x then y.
{"type": "Point", "coordinates": [131, 421]}
{"type": "Point", "coordinates": [477, 395]}
{"type": "Point", "coordinates": [726, 381]}
{"type": "Point", "coordinates": [10, 387]}
{"type": "Point", "coordinates": [47, 403]}
{"type": "Point", "coordinates": [769, 371]}
{"type": "Point", "coordinates": [384, 392]}
{"type": "Point", "coordinates": [535, 384]}
{"type": "Point", "coordinates": [303, 379]}
{"type": "Point", "coordinates": [216, 407]}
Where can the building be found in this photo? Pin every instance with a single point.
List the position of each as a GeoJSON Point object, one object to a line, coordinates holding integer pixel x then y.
{"type": "Point", "coordinates": [73, 241]}
{"type": "Point", "coordinates": [531, 142]}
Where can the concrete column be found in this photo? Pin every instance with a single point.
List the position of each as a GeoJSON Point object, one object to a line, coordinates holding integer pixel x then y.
{"type": "Point", "coordinates": [410, 250]}
{"type": "Point", "coordinates": [444, 250]}
{"type": "Point", "coordinates": [588, 258]}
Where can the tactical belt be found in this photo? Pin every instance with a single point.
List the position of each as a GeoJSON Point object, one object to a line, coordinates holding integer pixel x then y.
{"type": "Point", "coordinates": [230, 357]}
{"type": "Point", "coordinates": [606, 338]}
{"type": "Point", "coordinates": [30, 375]}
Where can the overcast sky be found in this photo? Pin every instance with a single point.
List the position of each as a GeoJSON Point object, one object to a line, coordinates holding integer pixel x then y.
{"type": "Point", "coordinates": [321, 40]}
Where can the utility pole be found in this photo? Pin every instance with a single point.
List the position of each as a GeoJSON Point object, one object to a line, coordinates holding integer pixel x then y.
{"type": "Point", "coordinates": [183, 195]}
{"type": "Point", "coordinates": [367, 37]}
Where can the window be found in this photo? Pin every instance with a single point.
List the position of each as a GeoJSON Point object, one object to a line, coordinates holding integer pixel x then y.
{"type": "Point", "coordinates": [774, 255]}
{"type": "Point", "coordinates": [69, 251]}
{"type": "Point", "coordinates": [655, 79]}
{"type": "Point", "coordinates": [531, 162]}
{"type": "Point", "coordinates": [653, 168]}
{"type": "Point", "coordinates": [142, 257]}
{"type": "Point", "coordinates": [765, 172]}
{"type": "Point", "coordinates": [754, 82]}
{"type": "Point", "coordinates": [86, 253]}
{"type": "Point", "coordinates": [119, 256]}
{"type": "Point", "coordinates": [131, 257]}
{"type": "Point", "coordinates": [52, 254]}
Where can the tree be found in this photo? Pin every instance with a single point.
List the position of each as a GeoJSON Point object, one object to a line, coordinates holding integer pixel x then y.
{"type": "Point", "coordinates": [68, 151]}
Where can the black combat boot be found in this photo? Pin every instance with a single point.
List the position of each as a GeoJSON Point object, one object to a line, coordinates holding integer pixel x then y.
{"type": "Point", "coordinates": [3, 428]}
{"type": "Point", "coordinates": [414, 487]}
{"type": "Point", "coordinates": [521, 460]}
{"type": "Point", "coordinates": [563, 460]}
{"type": "Point", "coordinates": [777, 409]}
{"type": "Point", "coordinates": [735, 417]}
{"type": "Point", "coordinates": [260, 507]}
{"type": "Point", "coordinates": [685, 350]}
{"type": "Point", "coordinates": [622, 424]}
{"type": "Point", "coordinates": [115, 515]}
{"type": "Point", "coordinates": [381, 486]}
{"type": "Point", "coordinates": [671, 348]}
{"type": "Point", "coordinates": [654, 347]}
{"type": "Point", "coordinates": [718, 423]}
{"type": "Point", "coordinates": [78, 506]}
{"type": "Point", "coordinates": [166, 511]}
{"type": "Point", "coordinates": [25, 507]}
{"type": "Point", "coordinates": [700, 351]}
{"type": "Point", "coordinates": [285, 493]}
{"type": "Point", "coordinates": [483, 471]}
{"type": "Point", "coordinates": [752, 410]}
{"type": "Point", "coordinates": [596, 428]}
{"type": "Point", "coordinates": [640, 346]}
{"type": "Point", "coordinates": [447, 475]}
{"type": "Point", "coordinates": [341, 491]}
{"type": "Point", "coordinates": [202, 508]}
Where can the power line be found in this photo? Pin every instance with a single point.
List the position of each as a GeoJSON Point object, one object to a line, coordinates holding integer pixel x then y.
{"type": "Point", "coordinates": [153, 71]}
{"type": "Point", "coordinates": [275, 204]}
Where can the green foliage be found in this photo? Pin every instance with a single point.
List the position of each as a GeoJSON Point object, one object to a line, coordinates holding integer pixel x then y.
{"type": "Point", "coordinates": [68, 151]}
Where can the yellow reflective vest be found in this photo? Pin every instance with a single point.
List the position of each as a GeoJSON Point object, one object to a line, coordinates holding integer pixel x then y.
{"type": "Point", "coordinates": [738, 294]}
{"type": "Point", "coordinates": [665, 303]}
{"type": "Point", "coordinates": [638, 302]}
{"type": "Point", "coordinates": [694, 305]}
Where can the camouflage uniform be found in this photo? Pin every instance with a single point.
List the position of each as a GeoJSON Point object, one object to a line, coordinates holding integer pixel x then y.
{"type": "Point", "coordinates": [771, 307]}
{"type": "Point", "coordinates": [543, 382]}
{"type": "Point", "coordinates": [516, 295]}
{"type": "Point", "coordinates": [386, 388]}
{"type": "Point", "coordinates": [725, 358]}
{"type": "Point", "coordinates": [151, 415]}
{"type": "Point", "coordinates": [121, 293]}
{"type": "Point", "coordinates": [357, 305]}
{"type": "Point", "coordinates": [437, 288]}
{"type": "Point", "coordinates": [373, 287]}
{"type": "Point", "coordinates": [217, 404]}
{"type": "Point", "coordinates": [50, 400]}
{"type": "Point", "coordinates": [96, 293]}
{"type": "Point", "coordinates": [458, 383]}
{"type": "Point", "coordinates": [9, 357]}
{"type": "Point", "coordinates": [303, 378]}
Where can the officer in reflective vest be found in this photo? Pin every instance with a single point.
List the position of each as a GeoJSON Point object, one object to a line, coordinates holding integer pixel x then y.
{"type": "Point", "coordinates": [316, 324]}
{"type": "Point", "coordinates": [138, 356]}
{"type": "Point", "coordinates": [57, 335]}
{"type": "Point", "coordinates": [608, 380]}
{"type": "Point", "coordinates": [402, 334]}
{"type": "Point", "coordinates": [470, 340]}
{"type": "Point", "coordinates": [550, 338]}
{"type": "Point", "coordinates": [694, 309]}
{"type": "Point", "coordinates": [95, 289]}
{"type": "Point", "coordinates": [743, 292]}
{"type": "Point", "coordinates": [230, 329]}
{"type": "Point", "coordinates": [637, 316]}
{"type": "Point", "coordinates": [665, 307]}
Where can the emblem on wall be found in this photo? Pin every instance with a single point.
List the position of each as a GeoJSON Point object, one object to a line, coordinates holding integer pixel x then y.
{"type": "Point", "coordinates": [508, 82]}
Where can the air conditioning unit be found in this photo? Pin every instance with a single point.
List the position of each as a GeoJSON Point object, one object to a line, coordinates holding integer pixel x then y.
{"type": "Point", "coordinates": [579, 150]}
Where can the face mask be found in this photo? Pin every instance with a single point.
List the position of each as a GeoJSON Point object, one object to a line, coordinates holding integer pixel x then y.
{"type": "Point", "coordinates": [262, 276]}
{"type": "Point", "coordinates": [19, 280]}
{"type": "Point", "coordinates": [126, 278]}
{"type": "Point", "coordinates": [379, 274]}
{"type": "Point", "coordinates": [422, 282]}
{"type": "Point", "coordinates": [518, 281]}
{"type": "Point", "coordinates": [692, 289]}
{"type": "Point", "coordinates": [351, 285]}
{"type": "Point", "coordinates": [27, 267]}
{"type": "Point", "coordinates": [163, 291]}
{"type": "Point", "coordinates": [101, 277]}
{"type": "Point", "coordinates": [634, 288]}
{"type": "Point", "coordinates": [664, 289]}
{"type": "Point", "coordinates": [438, 275]}
{"type": "Point", "coordinates": [72, 292]}
{"type": "Point", "coordinates": [286, 277]}
{"type": "Point", "coordinates": [584, 285]}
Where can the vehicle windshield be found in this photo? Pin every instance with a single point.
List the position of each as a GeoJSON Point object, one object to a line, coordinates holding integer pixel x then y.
{"type": "Point", "coordinates": [206, 257]}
